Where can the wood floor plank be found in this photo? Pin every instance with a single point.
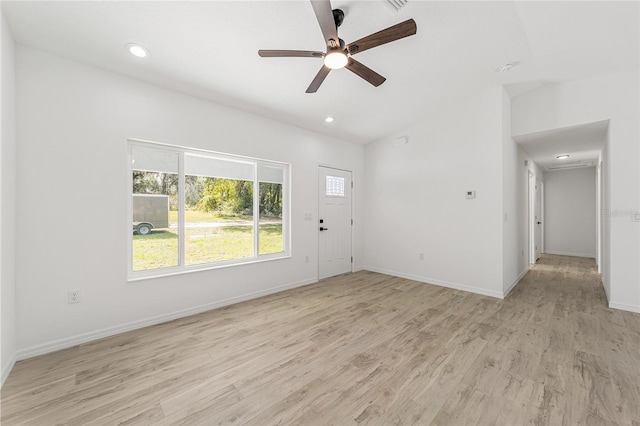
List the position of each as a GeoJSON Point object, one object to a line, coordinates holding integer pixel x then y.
{"type": "Point", "coordinates": [509, 400]}
{"type": "Point", "coordinates": [592, 396]}
{"type": "Point", "coordinates": [551, 399]}
{"type": "Point", "coordinates": [357, 349]}
{"type": "Point", "coordinates": [464, 407]}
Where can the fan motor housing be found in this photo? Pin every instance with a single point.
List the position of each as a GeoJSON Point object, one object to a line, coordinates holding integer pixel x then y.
{"type": "Point", "coordinates": [338, 17]}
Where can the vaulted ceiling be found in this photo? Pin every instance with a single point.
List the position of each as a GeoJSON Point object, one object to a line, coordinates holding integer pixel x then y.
{"type": "Point", "coordinates": [209, 49]}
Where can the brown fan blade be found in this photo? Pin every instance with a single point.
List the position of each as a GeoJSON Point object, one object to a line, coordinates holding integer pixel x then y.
{"type": "Point", "coordinates": [365, 72]}
{"type": "Point", "coordinates": [319, 78]}
{"type": "Point", "coordinates": [290, 54]}
{"type": "Point", "coordinates": [324, 14]}
{"type": "Point", "coordinates": [401, 30]}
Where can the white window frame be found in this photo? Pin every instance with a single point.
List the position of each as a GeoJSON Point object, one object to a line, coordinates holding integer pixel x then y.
{"type": "Point", "coordinates": [182, 267]}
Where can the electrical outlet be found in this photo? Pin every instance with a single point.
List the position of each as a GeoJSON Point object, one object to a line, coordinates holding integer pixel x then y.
{"type": "Point", "coordinates": [73, 296]}
{"type": "Point", "coordinates": [421, 256]}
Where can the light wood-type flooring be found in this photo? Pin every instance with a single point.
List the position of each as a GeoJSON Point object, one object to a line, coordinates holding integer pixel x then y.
{"type": "Point", "coordinates": [359, 349]}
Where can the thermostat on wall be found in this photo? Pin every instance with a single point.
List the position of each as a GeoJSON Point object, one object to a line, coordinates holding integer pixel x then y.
{"type": "Point", "coordinates": [470, 194]}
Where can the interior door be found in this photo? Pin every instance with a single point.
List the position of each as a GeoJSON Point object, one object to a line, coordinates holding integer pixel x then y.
{"type": "Point", "coordinates": [334, 222]}
{"type": "Point", "coordinates": [538, 220]}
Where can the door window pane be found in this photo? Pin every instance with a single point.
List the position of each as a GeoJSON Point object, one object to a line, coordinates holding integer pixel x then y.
{"type": "Point", "coordinates": [335, 186]}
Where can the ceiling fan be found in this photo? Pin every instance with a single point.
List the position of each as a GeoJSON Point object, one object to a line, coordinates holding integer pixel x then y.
{"type": "Point", "coordinates": [339, 54]}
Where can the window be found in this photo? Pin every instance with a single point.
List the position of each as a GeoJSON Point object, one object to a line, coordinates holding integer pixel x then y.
{"type": "Point", "coordinates": [335, 186]}
{"type": "Point", "coordinates": [195, 209]}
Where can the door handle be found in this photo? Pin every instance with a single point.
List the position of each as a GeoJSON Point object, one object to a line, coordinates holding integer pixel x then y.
{"type": "Point", "coordinates": [324, 229]}
{"type": "Point", "coordinates": [539, 223]}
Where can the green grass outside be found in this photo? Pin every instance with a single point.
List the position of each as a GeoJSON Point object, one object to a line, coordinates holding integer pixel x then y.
{"type": "Point", "coordinates": [158, 249]}
{"type": "Point", "coordinates": [198, 216]}
{"type": "Point", "coordinates": [202, 245]}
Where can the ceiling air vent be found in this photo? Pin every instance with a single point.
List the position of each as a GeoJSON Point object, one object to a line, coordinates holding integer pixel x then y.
{"type": "Point", "coordinates": [570, 166]}
{"type": "Point", "coordinates": [398, 4]}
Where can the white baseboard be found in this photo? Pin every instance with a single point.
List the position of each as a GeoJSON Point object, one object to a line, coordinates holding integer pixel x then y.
{"type": "Point", "coordinates": [68, 342]}
{"type": "Point", "coordinates": [6, 369]}
{"type": "Point", "coordinates": [515, 283]}
{"type": "Point", "coordinates": [624, 307]}
{"type": "Point", "coordinates": [566, 253]}
{"type": "Point", "coordinates": [606, 288]}
{"type": "Point", "coordinates": [440, 283]}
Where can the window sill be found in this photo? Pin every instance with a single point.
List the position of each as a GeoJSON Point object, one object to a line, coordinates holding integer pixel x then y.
{"type": "Point", "coordinates": [169, 272]}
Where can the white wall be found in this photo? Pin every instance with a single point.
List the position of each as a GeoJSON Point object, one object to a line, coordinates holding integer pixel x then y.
{"type": "Point", "coordinates": [615, 98]}
{"type": "Point", "coordinates": [570, 212]}
{"type": "Point", "coordinates": [73, 122]}
{"type": "Point", "coordinates": [415, 198]}
{"type": "Point", "coordinates": [7, 204]}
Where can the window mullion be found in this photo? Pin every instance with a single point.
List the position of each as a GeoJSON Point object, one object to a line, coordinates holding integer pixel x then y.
{"type": "Point", "coordinates": [181, 218]}
{"type": "Point", "coordinates": [285, 214]}
{"type": "Point", "coordinates": [256, 211]}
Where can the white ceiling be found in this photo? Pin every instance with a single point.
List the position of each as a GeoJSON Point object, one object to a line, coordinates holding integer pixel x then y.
{"type": "Point", "coordinates": [582, 143]}
{"type": "Point", "coordinates": [209, 49]}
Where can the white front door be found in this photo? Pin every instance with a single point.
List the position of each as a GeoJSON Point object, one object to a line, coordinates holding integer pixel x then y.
{"type": "Point", "coordinates": [334, 222]}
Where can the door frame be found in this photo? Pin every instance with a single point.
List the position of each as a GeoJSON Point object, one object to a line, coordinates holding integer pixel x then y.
{"type": "Point", "coordinates": [531, 208]}
{"type": "Point", "coordinates": [599, 216]}
{"type": "Point", "coordinates": [541, 183]}
{"type": "Point", "coordinates": [533, 180]}
{"type": "Point", "coordinates": [353, 213]}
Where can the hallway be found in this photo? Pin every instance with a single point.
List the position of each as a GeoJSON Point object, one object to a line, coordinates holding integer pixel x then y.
{"type": "Point", "coordinates": [589, 366]}
{"type": "Point", "coordinates": [569, 283]}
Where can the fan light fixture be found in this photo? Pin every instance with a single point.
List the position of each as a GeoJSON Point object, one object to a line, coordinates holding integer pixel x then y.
{"type": "Point", "coordinates": [329, 119]}
{"type": "Point", "coordinates": [137, 50]}
{"type": "Point", "coordinates": [338, 53]}
{"type": "Point", "coordinates": [562, 157]}
{"type": "Point", "coordinates": [336, 59]}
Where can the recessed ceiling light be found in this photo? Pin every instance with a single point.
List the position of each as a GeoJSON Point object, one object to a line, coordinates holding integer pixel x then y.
{"type": "Point", "coordinates": [329, 119]}
{"type": "Point", "coordinates": [137, 50]}
{"type": "Point", "coordinates": [336, 59]}
{"type": "Point", "coordinates": [562, 157]}
{"type": "Point", "coordinates": [506, 67]}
